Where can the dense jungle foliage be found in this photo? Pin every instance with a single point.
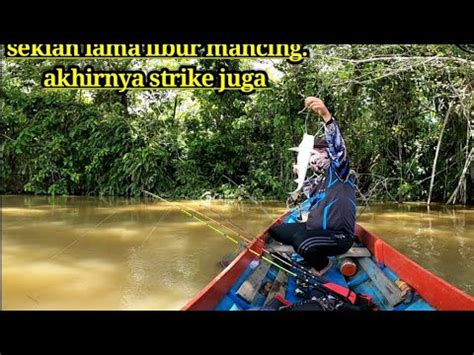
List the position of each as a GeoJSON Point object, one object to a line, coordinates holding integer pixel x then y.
{"type": "Point", "coordinates": [404, 111]}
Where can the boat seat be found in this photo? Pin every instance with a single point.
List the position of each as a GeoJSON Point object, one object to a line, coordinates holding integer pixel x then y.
{"type": "Point", "coordinates": [387, 287]}
{"type": "Point", "coordinates": [280, 284]}
{"type": "Point", "coordinates": [250, 287]}
{"type": "Point", "coordinates": [355, 252]}
{"type": "Point", "coordinates": [286, 249]}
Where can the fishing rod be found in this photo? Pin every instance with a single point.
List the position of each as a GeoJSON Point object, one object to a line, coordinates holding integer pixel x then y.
{"type": "Point", "coordinates": [306, 280]}
{"type": "Point", "coordinates": [256, 203]}
{"type": "Point", "coordinates": [249, 235]}
{"type": "Point", "coordinates": [324, 285]}
{"type": "Point", "coordinates": [220, 232]}
{"type": "Point", "coordinates": [321, 284]}
{"type": "Point", "coordinates": [277, 255]}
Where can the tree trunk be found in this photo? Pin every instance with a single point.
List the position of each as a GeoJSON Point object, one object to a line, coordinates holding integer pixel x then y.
{"type": "Point", "coordinates": [175, 107]}
{"type": "Point", "coordinates": [462, 178]}
{"type": "Point", "coordinates": [470, 198]}
{"type": "Point", "coordinates": [400, 157]}
{"type": "Point", "coordinates": [445, 187]}
{"type": "Point", "coordinates": [124, 102]}
{"type": "Point", "coordinates": [433, 172]}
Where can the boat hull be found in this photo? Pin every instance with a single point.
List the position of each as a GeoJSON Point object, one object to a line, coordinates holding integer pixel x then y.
{"type": "Point", "coordinates": [438, 293]}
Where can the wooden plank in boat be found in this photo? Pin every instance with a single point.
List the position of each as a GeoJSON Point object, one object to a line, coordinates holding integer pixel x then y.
{"type": "Point", "coordinates": [281, 248]}
{"type": "Point", "coordinates": [279, 286]}
{"type": "Point", "coordinates": [388, 288]}
{"type": "Point", "coordinates": [250, 287]}
{"type": "Point", "coordinates": [355, 252]}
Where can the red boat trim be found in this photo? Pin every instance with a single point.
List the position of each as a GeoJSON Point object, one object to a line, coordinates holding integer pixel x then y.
{"type": "Point", "coordinates": [437, 292]}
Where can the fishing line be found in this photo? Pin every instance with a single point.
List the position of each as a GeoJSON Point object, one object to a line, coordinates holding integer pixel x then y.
{"type": "Point", "coordinates": [153, 229]}
{"type": "Point", "coordinates": [79, 237]}
{"type": "Point", "coordinates": [83, 235]}
{"type": "Point", "coordinates": [250, 197]}
{"type": "Point", "coordinates": [68, 246]}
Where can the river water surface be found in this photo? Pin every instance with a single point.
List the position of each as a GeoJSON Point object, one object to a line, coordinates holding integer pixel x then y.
{"type": "Point", "coordinates": [113, 253]}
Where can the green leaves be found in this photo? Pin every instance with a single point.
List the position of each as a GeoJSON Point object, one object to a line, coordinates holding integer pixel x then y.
{"type": "Point", "coordinates": [390, 102]}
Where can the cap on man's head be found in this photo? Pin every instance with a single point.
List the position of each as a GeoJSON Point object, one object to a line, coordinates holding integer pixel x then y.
{"type": "Point", "coordinates": [320, 143]}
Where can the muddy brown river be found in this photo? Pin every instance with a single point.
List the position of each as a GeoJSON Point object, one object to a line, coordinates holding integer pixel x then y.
{"type": "Point", "coordinates": [114, 253]}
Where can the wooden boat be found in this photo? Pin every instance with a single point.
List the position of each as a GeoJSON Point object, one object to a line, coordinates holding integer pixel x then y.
{"type": "Point", "coordinates": [238, 287]}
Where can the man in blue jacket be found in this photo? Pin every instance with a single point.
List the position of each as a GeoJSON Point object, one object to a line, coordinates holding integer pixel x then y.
{"type": "Point", "coordinates": [329, 229]}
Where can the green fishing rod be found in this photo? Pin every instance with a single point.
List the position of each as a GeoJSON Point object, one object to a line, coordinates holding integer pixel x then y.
{"type": "Point", "coordinates": [297, 208]}
{"type": "Point", "coordinates": [222, 233]}
{"type": "Point", "coordinates": [321, 285]}
{"type": "Point", "coordinates": [273, 254]}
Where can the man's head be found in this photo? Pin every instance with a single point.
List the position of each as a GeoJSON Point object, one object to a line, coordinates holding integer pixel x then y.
{"type": "Point", "coordinates": [319, 160]}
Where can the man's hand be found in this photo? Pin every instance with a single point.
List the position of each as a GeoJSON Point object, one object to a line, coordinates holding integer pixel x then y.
{"type": "Point", "coordinates": [317, 105]}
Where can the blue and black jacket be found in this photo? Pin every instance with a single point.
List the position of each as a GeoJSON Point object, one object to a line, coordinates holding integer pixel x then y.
{"type": "Point", "coordinates": [335, 205]}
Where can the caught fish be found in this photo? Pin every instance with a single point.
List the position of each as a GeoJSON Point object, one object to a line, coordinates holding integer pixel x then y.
{"type": "Point", "coordinates": [302, 161]}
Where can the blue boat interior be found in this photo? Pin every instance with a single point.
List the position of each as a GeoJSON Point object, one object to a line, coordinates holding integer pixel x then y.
{"type": "Point", "coordinates": [361, 282]}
